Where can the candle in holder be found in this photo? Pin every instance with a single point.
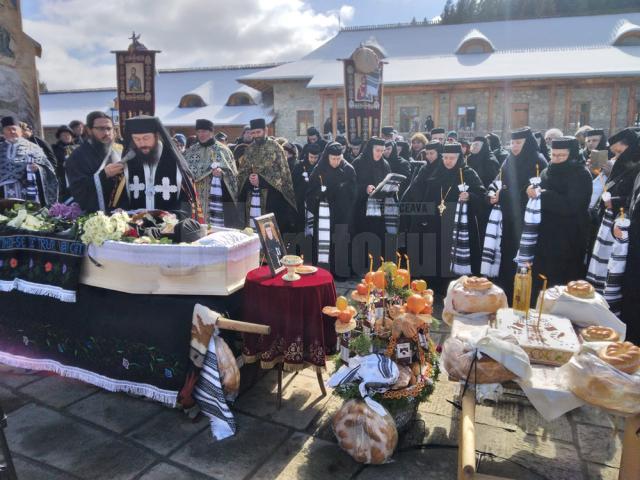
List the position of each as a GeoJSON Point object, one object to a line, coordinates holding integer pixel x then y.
{"type": "Point", "coordinates": [399, 258]}
{"type": "Point", "coordinates": [537, 170]}
{"type": "Point", "coordinates": [461, 177]}
{"type": "Point", "coordinates": [544, 289]}
{"type": "Point", "coordinates": [370, 263]}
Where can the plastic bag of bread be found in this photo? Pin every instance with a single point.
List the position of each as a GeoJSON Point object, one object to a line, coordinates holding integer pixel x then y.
{"type": "Point", "coordinates": [228, 368]}
{"type": "Point", "coordinates": [598, 375]}
{"type": "Point", "coordinates": [365, 435]}
{"type": "Point", "coordinates": [474, 296]}
{"type": "Point", "coordinates": [457, 357]}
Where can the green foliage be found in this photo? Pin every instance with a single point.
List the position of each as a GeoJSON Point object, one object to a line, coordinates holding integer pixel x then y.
{"type": "Point", "coordinates": [464, 11]}
{"type": "Point", "coordinates": [361, 345]}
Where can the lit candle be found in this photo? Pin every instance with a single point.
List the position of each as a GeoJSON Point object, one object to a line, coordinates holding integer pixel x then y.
{"type": "Point", "coordinates": [370, 263]}
{"type": "Point", "coordinates": [544, 289]}
{"type": "Point", "coordinates": [406, 259]}
{"type": "Point", "coordinates": [381, 260]}
{"type": "Point", "coordinates": [399, 257]}
{"type": "Point", "coordinates": [461, 177]}
{"type": "Point", "coordinates": [537, 170]}
{"type": "Point", "coordinates": [622, 213]}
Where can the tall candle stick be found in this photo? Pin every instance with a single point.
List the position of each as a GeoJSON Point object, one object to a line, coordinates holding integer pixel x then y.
{"type": "Point", "coordinates": [399, 258]}
{"type": "Point", "coordinates": [370, 263]}
{"type": "Point", "coordinates": [622, 213]}
{"type": "Point", "coordinates": [406, 259]}
{"type": "Point", "coordinates": [381, 260]}
{"type": "Point", "coordinates": [537, 170]}
{"type": "Point", "coordinates": [461, 177]}
{"type": "Point", "coordinates": [544, 289]}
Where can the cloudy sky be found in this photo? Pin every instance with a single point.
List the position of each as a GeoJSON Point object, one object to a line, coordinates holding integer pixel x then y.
{"type": "Point", "coordinates": [78, 35]}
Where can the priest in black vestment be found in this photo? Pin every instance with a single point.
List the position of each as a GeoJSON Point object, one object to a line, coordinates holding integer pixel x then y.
{"type": "Point", "coordinates": [93, 167]}
{"type": "Point", "coordinates": [156, 176]}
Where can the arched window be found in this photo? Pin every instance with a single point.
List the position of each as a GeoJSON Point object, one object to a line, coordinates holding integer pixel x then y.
{"type": "Point", "coordinates": [239, 99]}
{"type": "Point", "coordinates": [191, 100]}
{"type": "Point", "coordinates": [627, 34]}
{"type": "Point", "coordinates": [475, 42]}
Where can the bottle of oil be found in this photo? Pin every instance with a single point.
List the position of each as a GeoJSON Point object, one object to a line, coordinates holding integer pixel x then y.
{"type": "Point", "coordinates": [522, 289]}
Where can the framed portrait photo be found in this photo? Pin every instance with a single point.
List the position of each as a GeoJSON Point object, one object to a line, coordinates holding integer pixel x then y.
{"type": "Point", "coordinates": [272, 244]}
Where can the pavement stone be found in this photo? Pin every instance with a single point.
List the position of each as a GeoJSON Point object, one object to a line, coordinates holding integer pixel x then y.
{"type": "Point", "coordinates": [503, 414]}
{"type": "Point", "coordinates": [432, 464]}
{"type": "Point", "coordinates": [554, 459]}
{"type": "Point", "coordinates": [303, 456]}
{"type": "Point", "coordinates": [166, 471]}
{"type": "Point", "coordinates": [115, 411]}
{"type": "Point", "coordinates": [236, 457]}
{"type": "Point", "coordinates": [595, 416]}
{"type": "Point", "coordinates": [531, 422]}
{"type": "Point", "coordinates": [69, 445]}
{"type": "Point", "coordinates": [320, 427]}
{"type": "Point", "coordinates": [302, 400]}
{"type": "Point", "coordinates": [10, 401]}
{"type": "Point", "coordinates": [27, 470]}
{"type": "Point", "coordinates": [17, 377]}
{"type": "Point", "coordinates": [58, 391]}
{"type": "Point", "coordinates": [168, 430]}
{"type": "Point", "coordinates": [601, 472]}
{"type": "Point", "coordinates": [600, 445]}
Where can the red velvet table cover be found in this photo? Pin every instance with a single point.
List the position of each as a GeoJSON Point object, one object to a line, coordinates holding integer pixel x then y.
{"type": "Point", "coordinates": [301, 335]}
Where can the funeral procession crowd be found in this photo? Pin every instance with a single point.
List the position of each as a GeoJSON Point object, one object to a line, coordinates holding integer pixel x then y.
{"type": "Point", "coordinates": [444, 200]}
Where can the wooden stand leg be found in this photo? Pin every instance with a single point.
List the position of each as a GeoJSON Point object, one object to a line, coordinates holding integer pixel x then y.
{"type": "Point", "coordinates": [321, 383]}
{"type": "Point", "coordinates": [467, 440]}
{"type": "Point", "coordinates": [630, 463]}
{"type": "Point", "coordinates": [279, 385]}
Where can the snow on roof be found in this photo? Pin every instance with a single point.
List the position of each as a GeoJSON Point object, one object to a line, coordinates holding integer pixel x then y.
{"type": "Point", "coordinates": [214, 85]}
{"type": "Point", "coordinates": [428, 48]}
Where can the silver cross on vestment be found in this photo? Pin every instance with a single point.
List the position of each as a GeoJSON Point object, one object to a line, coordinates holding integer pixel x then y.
{"type": "Point", "coordinates": [166, 188]}
{"type": "Point", "coordinates": [136, 187]}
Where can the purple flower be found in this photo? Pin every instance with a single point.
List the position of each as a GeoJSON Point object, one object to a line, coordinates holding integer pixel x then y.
{"type": "Point", "coordinates": [66, 212]}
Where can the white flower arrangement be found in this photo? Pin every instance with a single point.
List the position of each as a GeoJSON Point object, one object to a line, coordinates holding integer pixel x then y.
{"type": "Point", "coordinates": [99, 228]}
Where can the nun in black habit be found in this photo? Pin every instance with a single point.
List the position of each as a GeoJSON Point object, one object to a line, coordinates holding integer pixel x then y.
{"type": "Point", "coordinates": [483, 161]}
{"type": "Point", "coordinates": [624, 145]}
{"type": "Point", "coordinates": [371, 168]}
{"type": "Point", "coordinates": [300, 176]}
{"type": "Point", "coordinates": [496, 147]}
{"type": "Point", "coordinates": [563, 233]}
{"type": "Point", "coordinates": [398, 164]}
{"type": "Point", "coordinates": [333, 181]}
{"type": "Point", "coordinates": [428, 210]}
{"type": "Point", "coordinates": [524, 162]}
{"type": "Point", "coordinates": [542, 146]}
{"type": "Point", "coordinates": [630, 313]}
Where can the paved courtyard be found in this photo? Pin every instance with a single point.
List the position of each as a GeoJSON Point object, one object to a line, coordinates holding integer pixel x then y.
{"type": "Point", "coordinates": [62, 429]}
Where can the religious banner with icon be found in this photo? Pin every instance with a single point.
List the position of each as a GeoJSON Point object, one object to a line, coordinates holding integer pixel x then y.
{"type": "Point", "coordinates": [136, 69]}
{"type": "Point", "coordinates": [363, 93]}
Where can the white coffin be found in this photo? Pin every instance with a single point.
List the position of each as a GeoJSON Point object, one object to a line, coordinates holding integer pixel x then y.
{"type": "Point", "coordinates": [215, 265]}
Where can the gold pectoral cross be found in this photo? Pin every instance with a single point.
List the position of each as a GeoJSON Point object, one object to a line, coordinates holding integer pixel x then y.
{"type": "Point", "coordinates": [442, 207]}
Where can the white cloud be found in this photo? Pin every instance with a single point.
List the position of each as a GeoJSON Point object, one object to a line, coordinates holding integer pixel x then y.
{"type": "Point", "coordinates": [77, 36]}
